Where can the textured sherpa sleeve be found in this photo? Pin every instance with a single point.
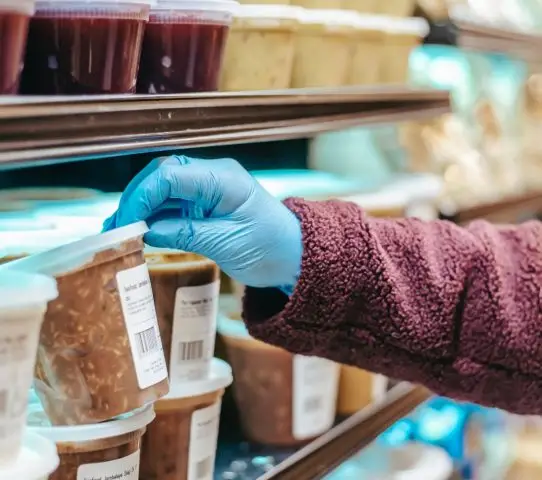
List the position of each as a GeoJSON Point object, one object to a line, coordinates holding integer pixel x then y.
{"type": "Point", "coordinates": [456, 309]}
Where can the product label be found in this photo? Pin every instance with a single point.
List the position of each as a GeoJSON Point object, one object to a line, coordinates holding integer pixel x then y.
{"type": "Point", "coordinates": [18, 344]}
{"type": "Point", "coordinates": [139, 312]}
{"type": "Point", "coordinates": [126, 468]}
{"type": "Point", "coordinates": [380, 387]}
{"type": "Point", "coordinates": [203, 442]}
{"type": "Point", "coordinates": [194, 331]}
{"type": "Point", "coordinates": [315, 386]}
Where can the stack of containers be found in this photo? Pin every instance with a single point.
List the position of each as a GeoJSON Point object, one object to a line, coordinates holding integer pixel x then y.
{"type": "Point", "coordinates": [23, 301]}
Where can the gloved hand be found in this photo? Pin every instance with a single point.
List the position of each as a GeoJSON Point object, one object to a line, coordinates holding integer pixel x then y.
{"type": "Point", "coordinates": [217, 209]}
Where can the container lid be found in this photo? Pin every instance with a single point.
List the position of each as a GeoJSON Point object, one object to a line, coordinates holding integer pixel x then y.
{"type": "Point", "coordinates": [73, 255]}
{"type": "Point", "coordinates": [365, 21]}
{"type": "Point", "coordinates": [228, 6]}
{"type": "Point", "coordinates": [220, 376]}
{"type": "Point", "coordinates": [37, 422]}
{"type": "Point", "coordinates": [415, 460]}
{"type": "Point", "coordinates": [19, 289]}
{"type": "Point", "coordinates": [23, 6]}
{"type": "Point", "coordinates": [329, 17]}
{"type": "Point", "coordinates": [30, 242]}
{"type": "Point", "coordinates": [269, 11]}
{"type": "Point", "coordinates": [37, 460]}
{"type": "Point", "coordinates": [407, 26]}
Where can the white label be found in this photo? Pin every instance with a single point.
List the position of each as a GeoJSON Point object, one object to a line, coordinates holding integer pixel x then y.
{"type": "Point", "coordinates": [139, 312]}
{"type": "Point", "coordinates": [18, 344]}
{"type": "Point", "coordinates": [422, 210]}
{"type": "Point", "coordinates": [380, 387]}
{"type": "Point", "coordinates": [315, 386]}
{"type": "Point", "coordinates": [203, 442]}
{"type": "Point", "coordinates": [194, 331]}
{"type": "Point", "coordinates": [126, 468]}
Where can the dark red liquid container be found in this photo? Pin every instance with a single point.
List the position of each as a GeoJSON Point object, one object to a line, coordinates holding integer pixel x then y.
{"type": "Point", "coordinates": [184, 45]}
{"type": "Point", "coordinates": [14, 17]}
{"type": "Point", "coordinates": [84, 47]}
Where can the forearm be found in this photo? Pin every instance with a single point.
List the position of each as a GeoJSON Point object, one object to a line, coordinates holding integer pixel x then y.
{"type": "Point", "coordinates": [455, 309]}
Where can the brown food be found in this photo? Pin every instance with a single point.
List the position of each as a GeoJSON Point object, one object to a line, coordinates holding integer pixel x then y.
{"type": "Point", "coordinates": [10, 258]}
{"type": "Point", "coordinates": [165, 450]}
{"type": "Point", "coordinates": [263, 390]}
{"type": "Point", "coordinates": [72, 455]}
{"type": "Point", "coordinates": [85, 371]}
{"type": "Point", "coordinates": [169, 272]}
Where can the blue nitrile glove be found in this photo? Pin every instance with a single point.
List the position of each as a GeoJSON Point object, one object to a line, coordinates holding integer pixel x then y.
{"type": "Point", "coordinates": [217, 209]}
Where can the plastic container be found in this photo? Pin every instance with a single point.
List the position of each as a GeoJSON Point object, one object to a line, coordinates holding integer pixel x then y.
{"type": "Point", "coordinates": [109, 450]}
{"type": "Point", "coordinates": [14, 17]}
{"type": "Point", "coordinates": [46, 194]}
{"type": "Point", "coordinates": [403, 36]}
{"type": "Point", "coordinates": [332, 4]}
{"type": "Point", "coordinates": [186, 287]}
{"type": "Point", "coordinates": [183, 46]}
{"type": "Point", "coordinates": [23, 301]}
{"type": "Point", "coordinates": [396, 8]}
{"type": "Point", "coordinates": [181, 443]}
{"type": "Point", "coordinates": [36, 460]}
{"type": "Point", "coordinates": [284, 399]}
{"type": "Point", "coordinates": [331, 33]}
{"type": "Point", "coordinates": [367, 50]}
{"type": "Point", "coordinates": [260, 49]}
{"type": "Point", "coordinates": [78, 47]}
{"type": "Point", "coordinates": [359, 389]}
{"type": "Point", "coordinates": [361, 6]}
{"type": "Point", "coordinates": [100, 351]}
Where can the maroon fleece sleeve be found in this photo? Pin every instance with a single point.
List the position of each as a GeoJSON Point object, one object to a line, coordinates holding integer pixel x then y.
{"type": "Point", "coordinates": [456, 309]}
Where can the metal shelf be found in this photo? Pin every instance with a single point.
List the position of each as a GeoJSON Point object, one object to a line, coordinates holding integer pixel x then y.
{"type": "Point", "coordinates": [35, 131]}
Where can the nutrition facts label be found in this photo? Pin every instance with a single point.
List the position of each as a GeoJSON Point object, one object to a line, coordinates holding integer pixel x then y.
{"type": "Point", "coordinates": [203, 442]}
{"type": "Point", "coordinates": [126, 468]}
{"type": "Point", "coordinates": [194, 331]}
{"type": "Point", "coordinates": [315, 382]}
{"type": "Point", "coordinates": [139, 312]}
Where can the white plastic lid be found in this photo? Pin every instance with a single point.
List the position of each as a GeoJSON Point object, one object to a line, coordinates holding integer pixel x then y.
{"type": "Point", "coordinates": [22, 6]}
{"type": "Point", "coordinates": [220, 376]}
{"type": "Point", "coordinates": [30, 242]}
{"type": "Point", "coordinates": [20, 289]}
{"type": "Point", "coordinates": [269, 11]}
{"type": "Point", "coordinates": [227, 6]}
{"type": "Point", "coordinates": [37, 422]}
{"type": "Point", "coordinates": [407, 26]}
{"type": "Point", "coordinates": [73, 255]}
{"type": "Point", "coordinates": [415, 461]}
{"type": "Point", "coordinates": [330, 17]}
{"type": "Point", "coordinates": [37, 460]}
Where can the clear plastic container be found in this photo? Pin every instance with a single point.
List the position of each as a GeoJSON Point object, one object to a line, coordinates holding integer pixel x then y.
{"type": "Point", "coordinates": [403, 36]}
{"type": "Point", "coordinates": [359, 389]}
{"type": "Point", "coordinates": [186, 287]}
{"type": "Point", "coordinates": [368, 48]}
{"type": "Point", "coordinates": [323, 48]}
{"type": "Point", "coordinates": [284, 399]}
{"type": "Point", "coordinates": [181, 443]}
{"type": "Point", "coordinates": [331, 4]}
{"type": "Point", "coordinates": [396, 8]}
{"type": "Point", "coordinates": [108, 450]}
{"type": "Point", "coordinates": [78, 47]}
{"type": "Point", "coordinates": [23, 301]}
{"type": "Point", "coordinates": [36, 460]}
{"type": "Point", "coordinates": [184, 45]}
{"type": "Point", "coordinates": [14, 17]}
{"type": "Point", "coordinates": [361, 6]}
{"type": "Point", "coordinates": [260, 49]}
{"type": "Point", "coordinates": [100, 350]}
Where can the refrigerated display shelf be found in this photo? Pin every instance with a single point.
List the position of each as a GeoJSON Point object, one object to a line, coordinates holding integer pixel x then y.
{"type": "Point", "coordinates": [35, 131]}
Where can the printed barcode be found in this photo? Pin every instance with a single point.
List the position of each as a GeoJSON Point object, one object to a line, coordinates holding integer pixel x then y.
{"type": "Point", "coordinates": [147, 342]}
{"type": "Point", "coordinates": [190, 351]}
{"type": "Point", "coordinates": [204, 468]}
{"type": "Point", "coordinates": [313, 404]}
{"type": "Point", "coordinates": [3, 402]}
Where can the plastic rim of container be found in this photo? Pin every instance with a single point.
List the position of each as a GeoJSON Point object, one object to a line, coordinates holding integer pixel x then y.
{"type": "Point", "coordinates": [329, 17]}
{"type": "Point", "coordinates": [366, 21]}
{"type": "Point", "coordinates": [26, 7]}
{"type": "Point", "coordinates": [423, 461]}
{"type": "Point", "coordinates": [223, 6]}
{"type": "Point", "coordinates": [54, 261]}
{"type": "Point", "coordinates": [20, 289]}
{"type": "Point", "coordinates": [123, 425]}
{"type": "Point", "coordinates": [47, 194]}
{"type": "Point", "coordinates": [269, 12]}
{"type": "Point", "coordinates": [37, 459]}
{"type": "Point", "coordinates": [220, 377]}
{"type": "Point", "coordinates": [407, 26]}
{"type": "Point", "coordinates": [92, 3]}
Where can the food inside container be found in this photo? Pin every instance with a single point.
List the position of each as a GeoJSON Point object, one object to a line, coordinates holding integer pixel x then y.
{"type": "Point", "coordinates": [359, 389]}
{"type": "Point", "coordinates": [396, 8]}
{"type": "Point", "coordinates": [183, 45]}
{"type": "Point", "coordinates": [186, 287]}
{"type": "Point", "coordinates": [36, 460]}
{"type": "Point", "coordinates": [330, 33]}
{"type": "Point", "coordinates": [14, 17]}
{"type": "Point", "coordinates": [23, 301]}
{"type": "Point", "coordinates": [78, 47]}
{"type": "Point", "coordinates": [108, 450]}
{"type": "Point", "coordinates": [260, 49]}
{"type": "Point", "coordinates": [181, 443]}
{"type": "Point", "coordinates": [284, 399]}
{"type": "Point", "coordinates": [46, 194]}
{"type": "Point", "coordinates": [100, 351]}
{"type": "Point", "coordinates": [403, 35]}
